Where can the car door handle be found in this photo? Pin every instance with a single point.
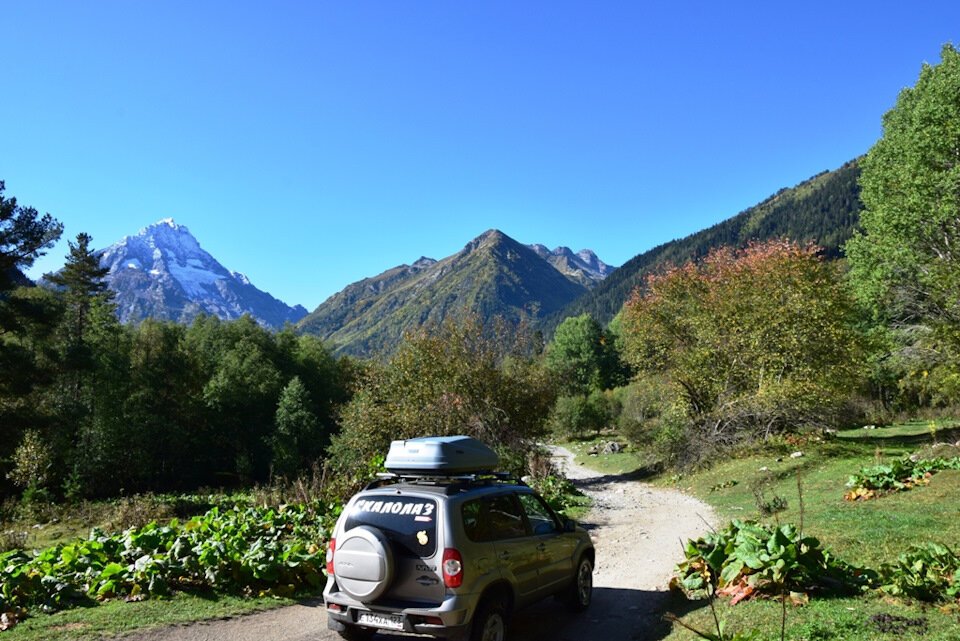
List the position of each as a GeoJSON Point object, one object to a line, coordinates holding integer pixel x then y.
{"type": "Point", "coordinates": [504, 555]}
{"type": "Point", "coordinates": [542, 547]}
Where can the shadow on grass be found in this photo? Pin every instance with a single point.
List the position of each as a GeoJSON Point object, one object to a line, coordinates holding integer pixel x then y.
{"type": "Point", "coordinates": [949, 435]}
{"type": "Point", "coordinates": [616, 614]}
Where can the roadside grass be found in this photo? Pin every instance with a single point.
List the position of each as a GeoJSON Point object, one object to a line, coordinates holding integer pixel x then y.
{"type": "Point", "coordinates": [839, 619]}
{"type": "Point", "coordinates": [578, 512]}
{"type": "Point", "coordinates": [629, 461]}
{"type": "Point", "coordinates": [118, 617]}
{"type": "Point", "coordinates": [865, 533]}
{"type": "Point", "coordinates": [941, 429]}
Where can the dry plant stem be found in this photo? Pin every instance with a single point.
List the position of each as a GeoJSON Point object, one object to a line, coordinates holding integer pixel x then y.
{"type": "Point", "coordinates": [705, 522]}
{"type": "Point", "coordinates": [783, 612]}
{"type": "Point", "coordinates": [783, 596]}
{"type": "Point", "coordinates": [711, 598]}
{"type": "Point", "coordinates": [713, 609]}
{"type": "Point", "coordinates": [800, 502]}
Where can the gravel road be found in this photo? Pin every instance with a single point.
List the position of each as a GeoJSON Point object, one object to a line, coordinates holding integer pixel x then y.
{"type": "Point", "coordinates": [637, 530]}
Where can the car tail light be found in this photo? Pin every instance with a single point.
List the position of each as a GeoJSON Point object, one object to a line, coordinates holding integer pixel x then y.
{"type": "Point", "coordinates": [330, 548]}
{"type": "Point", "coordinates": [452, 568]}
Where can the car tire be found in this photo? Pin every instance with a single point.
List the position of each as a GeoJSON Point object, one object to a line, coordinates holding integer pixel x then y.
{"type": "Point", "coordinates": [489, 622]}
{"type": "Point", "coordinates": [580, 593]}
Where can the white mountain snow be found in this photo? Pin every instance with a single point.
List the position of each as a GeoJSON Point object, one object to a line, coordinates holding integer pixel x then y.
{"type": "Point", "coordinates": [162, 272]}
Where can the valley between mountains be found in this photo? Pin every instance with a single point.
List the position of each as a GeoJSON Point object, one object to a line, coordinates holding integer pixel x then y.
{"type": "Point", "coordinates": [637, 529]}
{"type": "Point", "coordinates": [162, 272]}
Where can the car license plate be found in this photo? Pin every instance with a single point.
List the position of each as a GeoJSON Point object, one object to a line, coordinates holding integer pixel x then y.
{"type": "Point", "coordinates": [389, 621]}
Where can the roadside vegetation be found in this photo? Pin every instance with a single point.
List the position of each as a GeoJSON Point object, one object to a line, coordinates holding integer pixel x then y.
{"type": "Point", "coordinates": [849, 567]}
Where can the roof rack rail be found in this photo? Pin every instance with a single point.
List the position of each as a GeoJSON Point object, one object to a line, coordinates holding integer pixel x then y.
{"type": "Point", "coordinates": [433, 478]}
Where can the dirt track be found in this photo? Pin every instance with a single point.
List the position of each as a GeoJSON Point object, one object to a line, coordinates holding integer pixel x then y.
{"type": "Point", "coordinates": [637, 530]}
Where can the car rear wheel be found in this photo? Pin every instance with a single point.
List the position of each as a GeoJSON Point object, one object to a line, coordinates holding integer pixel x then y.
{"type": "Point", "coordinates": [489, 622]}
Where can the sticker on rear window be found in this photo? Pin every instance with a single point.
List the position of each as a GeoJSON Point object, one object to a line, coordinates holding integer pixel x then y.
{"type": "Point", "coordinates": [417, 510]}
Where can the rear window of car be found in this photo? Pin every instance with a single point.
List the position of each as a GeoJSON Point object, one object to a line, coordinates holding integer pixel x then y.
{"type": "Point", "coordinates": [410, 523]}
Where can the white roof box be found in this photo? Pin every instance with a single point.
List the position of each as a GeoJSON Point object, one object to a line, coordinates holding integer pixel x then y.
{"type": "Point", "coordinates": [441, 455]}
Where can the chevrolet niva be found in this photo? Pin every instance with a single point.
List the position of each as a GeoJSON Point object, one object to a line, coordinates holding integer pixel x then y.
{"type": "Point", "coordinates": [444, 546]}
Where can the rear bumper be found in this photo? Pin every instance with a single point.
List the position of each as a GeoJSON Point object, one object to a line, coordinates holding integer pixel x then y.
{"type": "Point", "coordinates": [452, 613]}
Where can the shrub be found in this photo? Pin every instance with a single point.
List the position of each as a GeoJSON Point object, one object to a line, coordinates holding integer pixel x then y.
{"type": "Point", "coordinates": [12, 540]}
{"type": "Point", "coordinates": [928, 571]}
{"type": "Point", "coordinates": [32, 461]}
{"type": "Point", "coordinates": [748, 559]}
{"type": "Point", "coordinates": [559, 492]}
{"type": "Point", "coordinates": [901, 474]}
{"type": "Point", "coordinates": [574, 417]}
{"type": "Point", "coordinates": [753, 342]}
{"type": "Point", "coordinates": [460, 377]}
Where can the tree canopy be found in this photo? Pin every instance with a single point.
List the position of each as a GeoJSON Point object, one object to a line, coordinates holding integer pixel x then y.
{"type": "Point", "coordinates": [906, 261]}
{"type": "Point", "coordinates": [754, 340]}
{"type": "Point", "coordinates": [583, 356]}
{"type": "Point", "coordinates": [458, 377]}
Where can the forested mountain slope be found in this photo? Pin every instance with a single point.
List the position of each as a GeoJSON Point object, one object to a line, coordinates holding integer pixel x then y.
{"type": "Point", "coordinates": [493, 275]}
{"type": "Point", "coordinates": [824, 209]}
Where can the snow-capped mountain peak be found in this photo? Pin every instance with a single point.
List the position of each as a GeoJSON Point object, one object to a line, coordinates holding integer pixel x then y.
{"type": "Point", "coordinates": [163, 272]}
{"type": "Point", "coordinates": [241, 277]}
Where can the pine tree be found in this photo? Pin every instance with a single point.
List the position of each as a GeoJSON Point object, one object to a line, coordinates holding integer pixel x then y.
{"type": "Point", "coordinates": [83, 285]}
{"type": "Point", "coordinates": [88, 319]}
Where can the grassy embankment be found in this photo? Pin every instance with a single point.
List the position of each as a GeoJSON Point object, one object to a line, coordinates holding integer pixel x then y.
{"type": "Point", "coordinates": [865, 533]}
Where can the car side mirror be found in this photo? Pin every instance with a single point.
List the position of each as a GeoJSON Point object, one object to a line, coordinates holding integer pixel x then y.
{"type": "Point", "coordinates": [569, 525]}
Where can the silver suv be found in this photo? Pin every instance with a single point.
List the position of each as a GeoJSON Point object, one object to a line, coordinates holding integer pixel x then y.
{"type": "Point", "coordinates": [441, 549]}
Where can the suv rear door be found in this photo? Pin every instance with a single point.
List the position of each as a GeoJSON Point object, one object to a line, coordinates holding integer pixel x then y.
{"type": "Point", "coordinates": [410, 525]}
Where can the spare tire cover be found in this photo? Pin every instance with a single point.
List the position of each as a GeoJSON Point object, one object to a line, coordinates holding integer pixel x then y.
{"type": "Point", "coordinates": [363, 563]}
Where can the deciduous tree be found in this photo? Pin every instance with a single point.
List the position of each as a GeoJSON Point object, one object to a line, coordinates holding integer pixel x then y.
{"type": "Point", "coordinates": [754, 341]}
{"type": "Point", "coordinates": [456, 378]}
{"type": "Point", "coordinates": [905, 263]}
{"type": "Point", "coordinates": [584, 357]}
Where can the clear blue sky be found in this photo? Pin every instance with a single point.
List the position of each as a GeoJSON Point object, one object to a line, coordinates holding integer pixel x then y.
{"type": "Point", "coordinates": [311, 144]}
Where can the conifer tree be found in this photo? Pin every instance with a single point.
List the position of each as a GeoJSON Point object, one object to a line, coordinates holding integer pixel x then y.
{"type": "Point", "coordinates": [83, 285]}
{"type": "Point", "coordinates": [87, 305]}
{"type": "Point", "coordinates": [27, 316]}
